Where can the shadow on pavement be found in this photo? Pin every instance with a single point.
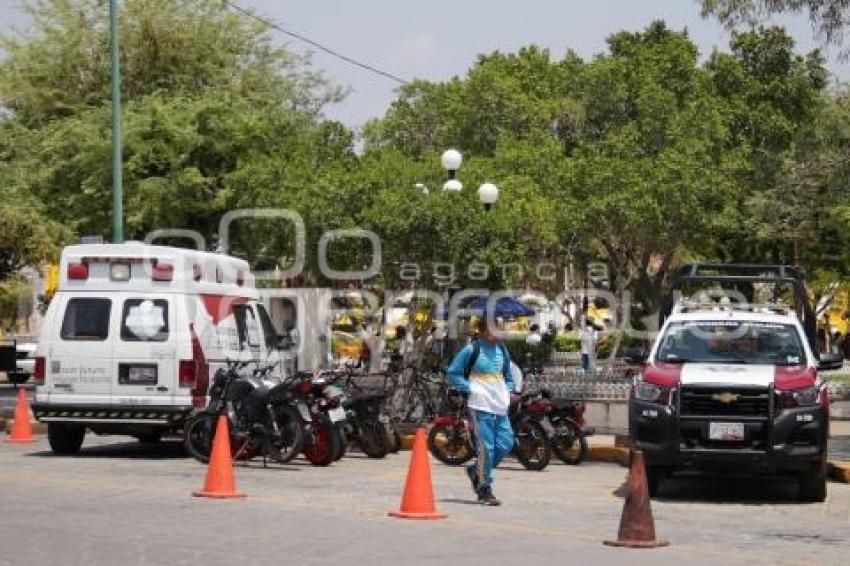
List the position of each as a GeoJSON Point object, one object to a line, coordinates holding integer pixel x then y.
{"type": "Point", "coordinates": [744, 490]}
{"type": "Point", "coordinates": [454, 501]}
{"type": "Point", "coordinates": [166, 450]}
{"type": "Point", "coordinates": [132, 450]}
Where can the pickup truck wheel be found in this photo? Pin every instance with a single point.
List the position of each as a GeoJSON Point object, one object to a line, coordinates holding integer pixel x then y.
{"type": "Point", "coordinates": [813, 484]}
{"type": "Point", "coordinates": [65, 438]}
{"type": "Point", "coordinates": [653, 480]}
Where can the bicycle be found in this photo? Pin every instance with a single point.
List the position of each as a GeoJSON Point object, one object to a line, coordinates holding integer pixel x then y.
{"type": "Point", "coordinates": [415, 396]}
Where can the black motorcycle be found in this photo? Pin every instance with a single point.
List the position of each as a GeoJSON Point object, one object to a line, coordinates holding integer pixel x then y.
{"type": "Point", "coordinates": [262, 417]}
{"type": "Point", "coordinates": [366, 423]}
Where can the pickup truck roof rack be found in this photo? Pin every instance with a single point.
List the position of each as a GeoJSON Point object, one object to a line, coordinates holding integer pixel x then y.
{"type": "Point", "coordinates": [686, 305]}
{"type": "Point", "coordinates": [730, 274]}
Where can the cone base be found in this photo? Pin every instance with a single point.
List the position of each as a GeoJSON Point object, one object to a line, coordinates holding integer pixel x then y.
{"type": "Point", "coordinates": [11, 440]}
{"type": "Point", "coordinates": [219, 494]}
{"type": "Point", "coordinates": [421, 516]}
{"type": "Point", "coordinates": [636, 543]}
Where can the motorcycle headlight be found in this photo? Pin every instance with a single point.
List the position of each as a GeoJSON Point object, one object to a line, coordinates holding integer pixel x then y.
{"type": "Point", "coordinates": [653, 393]}
{"type": "Point", "coordinates": [799, 397]}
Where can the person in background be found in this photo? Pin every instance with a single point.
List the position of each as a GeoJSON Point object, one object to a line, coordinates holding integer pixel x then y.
{"type": "Point", "coordinates": [405, 342]}
{"type": "Point", "coordinates": [588, 336]}
{"type": "Point", "coordinates": [366, 348]}
{"type": "Point", "coordinates": [483, 370]}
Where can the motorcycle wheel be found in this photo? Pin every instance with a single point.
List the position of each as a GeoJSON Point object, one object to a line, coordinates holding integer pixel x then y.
{"type": "Point", "coordinates": [325, 445]}
{"type": "Point", "coordinates": [533, 449]}
{"type": "Point", "coordinates": [450, 445]}
{"type": "Point", "coordinates": [372, 438]}
{"type": "Point", "coordinates": [291, 440]}
{"type": "Point", "coordinates": [343, 441]}
{"type": "Point", "coordinates": [393, 437]}
{"type": "Point", "coordinates": [198, 436]}
{"type": "Point", "coordinates": [569, 443]}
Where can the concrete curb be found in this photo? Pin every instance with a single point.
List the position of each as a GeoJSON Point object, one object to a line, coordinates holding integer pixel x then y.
{"type": "Point", "coordinates": [610, 454]}
{"type": "Point", "coordinates": [407, 441]}
{"type": "Point", "coordinates": [838, 470]}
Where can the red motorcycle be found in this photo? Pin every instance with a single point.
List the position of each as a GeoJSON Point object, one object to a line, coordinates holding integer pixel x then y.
{"type": "Point", "coordinates": [567, 432]}
{"type": "Point", "coordinates": [452, 436]}
{"type": "Point", "coordinates": [319, 405]}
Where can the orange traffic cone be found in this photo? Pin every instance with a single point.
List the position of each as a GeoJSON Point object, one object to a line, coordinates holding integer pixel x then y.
{"type": "Point", "coordinates": [637, 527]}
{"type": "Point", "coordinates": [220, 482]}
{"type": "Point", "coordinates": [21, 429]}
{"type": "Point", "coordinates": [417, 502]}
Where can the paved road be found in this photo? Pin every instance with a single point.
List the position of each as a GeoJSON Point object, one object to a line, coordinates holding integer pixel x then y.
{"type": "Point", "coordinates": [124, 503]}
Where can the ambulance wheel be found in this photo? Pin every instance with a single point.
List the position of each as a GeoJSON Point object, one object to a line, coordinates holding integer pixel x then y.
{"type": "Point", "coordinates": [65, 438]}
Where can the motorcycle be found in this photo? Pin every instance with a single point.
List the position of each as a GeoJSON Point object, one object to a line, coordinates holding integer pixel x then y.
{"type": "Point", "coordinates": [452, 436]}
{"type": "Point", "coordinates": [567, 434]}
{"type": "Point", "coordinates": [322, 415]}
{"type": "Point", "coordinates": [527, 413]}
{"type": "Point", "coordinates": [564, 423]}
{"type": "Point", "coordinates": [365, 421]}
{"type": "Point", "coordinates": [261, 418]}
{"type": "Point", "coordinates": [451, 439]}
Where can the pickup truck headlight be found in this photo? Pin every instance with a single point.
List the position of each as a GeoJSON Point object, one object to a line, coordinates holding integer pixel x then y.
{"type": "Point", "coordinates": [653, 393]}
{"type": "Point", "coordinates": [799, 397]}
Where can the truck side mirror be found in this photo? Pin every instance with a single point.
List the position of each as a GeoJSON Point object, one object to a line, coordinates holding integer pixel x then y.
{"type": "Point", "coordinates": [830, 361]}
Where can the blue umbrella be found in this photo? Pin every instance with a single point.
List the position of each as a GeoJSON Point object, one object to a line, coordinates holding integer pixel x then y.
{"type": "Point", "coordinates": [505, 307]}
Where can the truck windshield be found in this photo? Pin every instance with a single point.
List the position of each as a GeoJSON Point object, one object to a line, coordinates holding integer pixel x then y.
{"type": "Point", "coordinates": [728, 341]}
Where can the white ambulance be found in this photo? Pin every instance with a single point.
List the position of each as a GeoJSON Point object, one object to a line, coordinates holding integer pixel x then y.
{"type": "Point", "coordinates": [133, 335]}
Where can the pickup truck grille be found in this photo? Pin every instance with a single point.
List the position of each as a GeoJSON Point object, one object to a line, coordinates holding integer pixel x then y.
{"type": "Point", "coordinates": [724, 401]}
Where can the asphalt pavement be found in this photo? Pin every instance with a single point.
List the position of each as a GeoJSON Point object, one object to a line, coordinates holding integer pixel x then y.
{"type": "Point", "coordinates": [121, 502]}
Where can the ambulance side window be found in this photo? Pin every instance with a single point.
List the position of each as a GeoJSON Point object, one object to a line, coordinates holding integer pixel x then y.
{"type": "Point", "coordinates": [247, 327]}
{"type": "Point", "coordinates": [145, 320]}
{"type": "Point", "coordinates": [86, 319]}
{"type": "Point", "coordinates": [269, 332]}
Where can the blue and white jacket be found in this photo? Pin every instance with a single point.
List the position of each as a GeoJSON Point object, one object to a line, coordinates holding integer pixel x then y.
{"type": "Point", "coordinates": [490, 382]}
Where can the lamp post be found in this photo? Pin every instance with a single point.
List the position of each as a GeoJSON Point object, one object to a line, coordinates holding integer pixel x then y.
{"type": "Point", "coordinates": [488, 194]}
{"type": "Point", "coordinates": [117, 187]}
{"type": "Point", "coordinates": [451, 161]}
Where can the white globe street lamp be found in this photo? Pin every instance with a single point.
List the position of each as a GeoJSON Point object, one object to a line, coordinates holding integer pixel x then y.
{"type": "Point", "coordinates": [488, 194]}
{"type": "Point", "coordinates": [452, 185]}
{"type": "Point", "coordinates": [451, 161]}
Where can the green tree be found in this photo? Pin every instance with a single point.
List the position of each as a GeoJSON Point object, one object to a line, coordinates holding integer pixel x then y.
{"type": "Point", "coordinates": [828, 17]}
{"type": "Point", "coordinates": [215, 117]}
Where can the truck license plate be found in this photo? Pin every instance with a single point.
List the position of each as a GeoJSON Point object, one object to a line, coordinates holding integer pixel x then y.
{"type": "Point", "coordinates": [726, 431]}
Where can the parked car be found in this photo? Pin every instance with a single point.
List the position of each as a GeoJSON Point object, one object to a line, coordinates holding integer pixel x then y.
{"type": "Point", "coordinates": [25, 358]}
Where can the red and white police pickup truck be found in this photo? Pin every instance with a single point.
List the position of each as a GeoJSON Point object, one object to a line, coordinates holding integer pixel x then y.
{"type": "Point", "coordinates": [732, 387]}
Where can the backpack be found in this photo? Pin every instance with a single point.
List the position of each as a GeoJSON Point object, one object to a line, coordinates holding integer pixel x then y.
{"type": "Point", "coordinates": [476, 351]}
